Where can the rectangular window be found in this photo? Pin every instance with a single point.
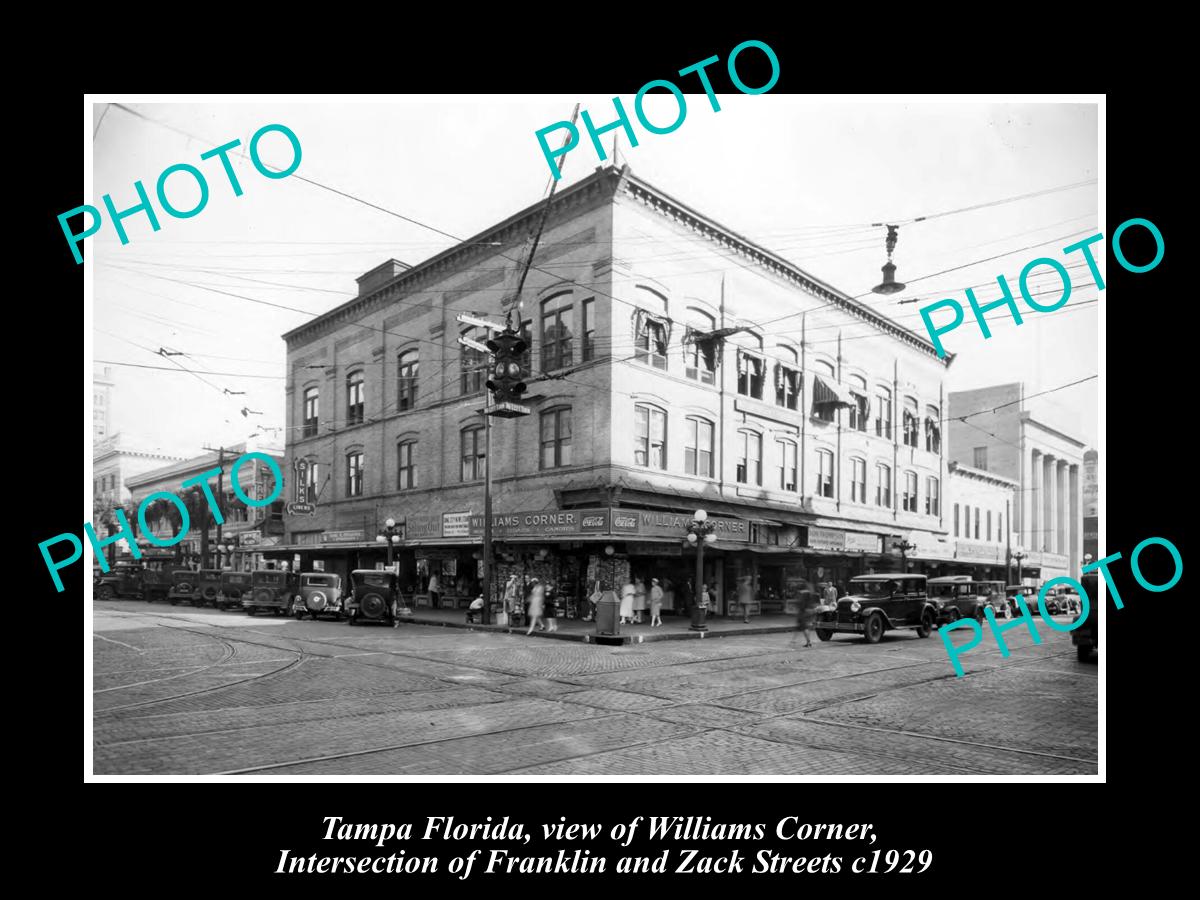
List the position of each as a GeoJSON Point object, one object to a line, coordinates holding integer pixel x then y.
{"type": "Point", "coordinates": [311, 483]}
{"type": "Point", "coordinates": [910, 491]}
{"type": "Point", "coordinates": [858, 413]}
{"type": "Point", "coordinates": [933, 498]}
{"type": "Point", "coordinates": [354, 475]}
{"type": "Point", "coordinates": [651, 344]}
{"type": "Point", "coordinates": [750, 376]}
{"type": "Point", "coordinates": [787, 388]}
{"type": "Point", "coordinates": [989, 524]}
{"type": "Point", "coordinates": [589, 329]}
{"type": "Point", "coordinates": [650, 437]}
{"type": "Point", "coordinates": [858, 480]}
{"type": "Point", "coordinates": [698, 450]}
{"type": "Point", "coordinates": [956, 511]}
{"type": "Point", "coordinates": [473, 364]}
{"type": "Point", "coordinates": [824, 473]}
{"type": "Point", "coordinates": [749, 467]}
{"type": "Point", "coordinates": [473, 457]}
{"type": "Point", "coordinates": [788, 469]}
{"type": "Point", "coordinates": [355, 394]}
{"type": "Point", "coordinates": [977, 523]}
{"type": "Point", "coordinates": [556, 438]}
{"type": "Point", "coordinates": [883, 486]}
{"type": "Point", "coordinates": [980, 458]}
{"type": "Point", "coordinates": [406, 383]}
{"type": "Point", "coordinates": [556, 334]}
{"type": "Point", "coordinates": [310, 412]}
{"type": "Point", "coordinates": [407, 466]}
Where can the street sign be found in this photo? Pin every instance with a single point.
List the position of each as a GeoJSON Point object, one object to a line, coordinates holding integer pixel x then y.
{"type": "Point", "coordinates": [506, 410]}
{"type": "Point", "coordinates": [478, 322]}
{"type": "Point", "coordinates": [474, 345]}
{"type": "Point", "coordinates": [301, 509]}
{"type": "Point", "coordinates": [250, 538]}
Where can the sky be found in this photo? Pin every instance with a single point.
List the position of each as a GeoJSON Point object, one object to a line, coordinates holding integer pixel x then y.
{"type": "Point", "coordinates": [802, 177]}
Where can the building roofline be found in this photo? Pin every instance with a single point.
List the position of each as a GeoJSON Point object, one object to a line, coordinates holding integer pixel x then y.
{"type": "Point", "coordinates": [197, 463]}
{"type": "Point", "coordinates": [619, 178]}
{"type": "Point", "coordinates": [958, 468]}
{"type": "Point", "coordinates": [1028, 419]}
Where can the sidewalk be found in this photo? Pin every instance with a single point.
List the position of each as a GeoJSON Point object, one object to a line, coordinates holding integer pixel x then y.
{"type": "Point", "coordinates": [672, 628]}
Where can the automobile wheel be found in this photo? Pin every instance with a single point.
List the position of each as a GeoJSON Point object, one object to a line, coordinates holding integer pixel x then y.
{"type": "Point", "coordinates": [927, 624]}
{"type": "Point", "coordinates": [824, 634]}
{"type": "Point", "coordinates": [105, 592]}
{"type": "Point", "coordinates": [373, 606]}
{"type": "Point", "coordinates": [1083, 652]}
{"type": "Point", "coordinates": [955, 615]}
{"type": "Point", "coordinates": [874, 630]}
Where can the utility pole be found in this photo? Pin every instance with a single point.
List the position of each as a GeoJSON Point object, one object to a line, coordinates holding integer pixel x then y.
{"type": "Point", "coordinates": [220, 451]}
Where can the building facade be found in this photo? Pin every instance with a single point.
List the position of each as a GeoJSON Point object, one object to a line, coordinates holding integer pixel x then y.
{"type": "Point", "coordinates": [102, 397]}
{"type": "Point", "coordinates": [674, 365]}
{"type": "Point", "coordinates": [246, 532]}
{"type": "Point", "coordinates": [1091, 506]}
{"type": "Point", "coordinates": [981, 513]}
{"type": "Point", "coordinates": [1003, 436]}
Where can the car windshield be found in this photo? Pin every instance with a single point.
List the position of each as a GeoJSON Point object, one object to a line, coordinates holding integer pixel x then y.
{"type": "Point", "coordinates": [269, 577]}
{"type": "Point", "coordinates": [872, 588]}
{"type": "Point", "coordinates": [945, 590]}
{"type": "Point", "coordinates": [237, 579]}
{"type": "Point", "coordinates": [380, 579]}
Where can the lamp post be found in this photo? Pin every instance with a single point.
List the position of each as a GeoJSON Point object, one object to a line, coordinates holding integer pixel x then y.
{"type": "Point", "coordinates": [904, 547]}
{"type": "Point", "coordinates": [391, 537]}
{"type": "Point", "coordinates": [1019, 554]}
{"type": "Point", "coordinates": [699, 533]}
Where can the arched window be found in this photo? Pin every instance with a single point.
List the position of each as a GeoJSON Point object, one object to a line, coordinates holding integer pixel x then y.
{"type": "Point", "coordinates": [556, 438]}
{"type": "Point", "coordinates": [472, 362]}
{"type": "Point", "coordinates": [751, 369]}
{"type": "Point", "coordinates": [406, 465]}
{"type": "Point", "coordinates": [354, 473]}
{"type": "Point", "coordinates": [825, 402]}
{"type": "Point", "coordinates": [698, 447]}
{"type": "Point", "coordinates": [910, 491]}
{"type": "Point", "coordinates": [883, 485]}
{"type": "Point", "coordinates": [312, 482]}
{"type": "Point", "coordinates": [860, 412]}
{"type": "Point", "coordinates": [789, 472]}
{"type": "Point", "coordinates": [311, 411]}
{"type": "Point", "coordinates": [650, 342]}
{"type": "Point", "coordinates": [556, 332]}
{"type": "Point", "coordinates": [933, 430]}
{"type": "Point", "coordinates": [787, 378]}
{"type": "Point", "coordinates": [355, 398]}
{"type": "Point", "coordinates": [749, 467]}
{"type": "Point", "coordinates": [911, 424]}
{"type": "Point", "coordinates": [473, 456]}
{"type": "Point", "coordinates": [858, 480]}
{"type": "Point", "coordinates": [700, 356]}
{"type": "Point", "coordinates": [824, 485]}
{"type": "Point", "coordinates": [649, 436]}
{"type": "Point", "coordinates": [588, 327]}
{"type": "Point", "coordinates": [883, 413]}
{"type": "Point", "coordinates": [407, 366]}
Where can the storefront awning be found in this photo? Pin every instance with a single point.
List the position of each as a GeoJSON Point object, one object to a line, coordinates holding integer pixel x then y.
{"type": "Point", "coordinates": [830, 392]}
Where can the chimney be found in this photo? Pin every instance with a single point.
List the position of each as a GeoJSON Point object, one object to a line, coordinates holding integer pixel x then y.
{"type": "Point", "coordinates": [380, 275]}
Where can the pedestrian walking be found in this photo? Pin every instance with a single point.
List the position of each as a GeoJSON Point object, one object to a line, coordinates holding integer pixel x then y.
{"type": "Point", "coordinates": [656, 601]}
{"type": "Point", "coordinates": [435, 591]}
{"type": "Point", "coordinates": [830, 593]}
{"type": "Point", "coordinates": [745, 596]}
{"type": "Point", "coordinates": [550, 609]}
{"type": "Point", "coordinates": [627, 591]}
{"type": "Point", "coordinates": [537, 606]}
{"type": "Point", "coordinates": [639, 600]}
{"type": "Point", "coordinates": [808, 612]}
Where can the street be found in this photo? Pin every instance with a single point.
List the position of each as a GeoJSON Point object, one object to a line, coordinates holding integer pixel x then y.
{"type": "Point", "coordinates": [183, 691]}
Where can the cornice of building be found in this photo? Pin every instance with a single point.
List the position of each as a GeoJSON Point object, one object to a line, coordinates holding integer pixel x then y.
{"type": "Point", "coordinates": [957, 468]}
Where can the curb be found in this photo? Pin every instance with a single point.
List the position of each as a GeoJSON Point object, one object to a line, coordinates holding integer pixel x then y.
{"type": "Point", "coordinates": [589, 637]}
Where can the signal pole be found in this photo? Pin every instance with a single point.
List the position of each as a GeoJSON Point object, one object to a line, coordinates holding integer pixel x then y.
{"type": "Point", "coordinates": [486, 618]}
{"type": "Point", "coordinates": [220, 497]}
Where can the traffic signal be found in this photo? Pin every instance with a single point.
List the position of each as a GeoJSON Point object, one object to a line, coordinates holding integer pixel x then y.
{"type": "Point", "coordinates": [506, 372]}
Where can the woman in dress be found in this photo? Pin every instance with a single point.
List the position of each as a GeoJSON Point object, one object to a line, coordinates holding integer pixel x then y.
{"type": "Point", "coordinates": [537, 605]}
{"type": "Point", "coordinates": [627, 592]}
{"type": "Point", "coordinates": [639, 600]}
{"type": "Point", "coordinates": [808, 612]}
{"type": "Point", "coordinates": [656, 600]}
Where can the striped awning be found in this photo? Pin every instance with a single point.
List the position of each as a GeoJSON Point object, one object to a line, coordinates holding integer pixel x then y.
{"type": "Point", "coordinates": [831, 392]}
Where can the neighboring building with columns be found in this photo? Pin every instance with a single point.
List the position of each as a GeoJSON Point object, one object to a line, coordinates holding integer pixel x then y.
{"type": "Point", "coordinates": [1002, 435]}
{"type": "Point", "coordinates": [1091, 505]}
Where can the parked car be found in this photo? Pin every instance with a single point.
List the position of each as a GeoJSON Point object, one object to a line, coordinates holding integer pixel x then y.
{"type": "Point", "coordinates": [958, 597]}
{"type": "Point", "coordinates": [122, 581]}
{"type": "Point", "coordinates": [320, 595]}
{"type": "Point", "coordinates": [375, 594]}
{"type": "Point", "coordinates": [1086, 637]}
{"type": "Point", "coordinates": [184, 587]}
{"type": "Point", "coordinates": [1028, 592]}
{"type": "Point", "coordinates": [233, 586]}
{"type": "Point", "coordinates": [996, 598]}
{"type": "Point", "coordinates": [876, 604]}
{"type": "Point", "coordinates": [208, 587]}
{"type": "Point", "coordinates": [1065, 602]}
{"type": "Point", "coordinates": [271, 589]}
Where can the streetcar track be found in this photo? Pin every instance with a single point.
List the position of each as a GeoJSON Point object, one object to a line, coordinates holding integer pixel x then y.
{"type": "Point", "coordinates": [720, 702]}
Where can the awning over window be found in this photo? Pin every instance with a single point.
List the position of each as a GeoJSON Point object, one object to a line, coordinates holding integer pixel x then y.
{"type": "Point", "coordinates": [831, 392]}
